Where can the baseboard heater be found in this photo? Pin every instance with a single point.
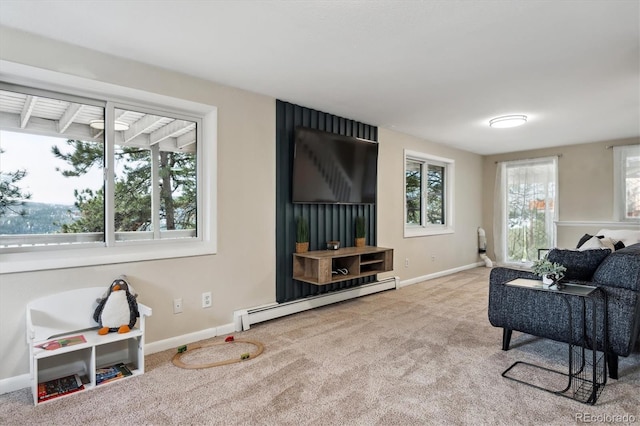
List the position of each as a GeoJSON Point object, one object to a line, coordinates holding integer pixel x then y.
{"type": "Point", "coordinates": [243, 319]}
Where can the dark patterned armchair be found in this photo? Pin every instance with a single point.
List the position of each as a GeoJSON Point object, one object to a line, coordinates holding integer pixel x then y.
{"type": "Point", "coordinates": [544, 314]}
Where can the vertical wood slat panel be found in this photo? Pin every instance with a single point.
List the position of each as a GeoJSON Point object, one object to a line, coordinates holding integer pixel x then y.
{"type": "Point", "coordinates": [326, 221]}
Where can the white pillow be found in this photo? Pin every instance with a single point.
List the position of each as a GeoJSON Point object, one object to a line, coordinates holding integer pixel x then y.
{"type": "Point", "coordinates": [627, 236]}
{"type": "Point", "coordinates": [608, 243]}
{"type": "Point", "coordinates": [593, 243]}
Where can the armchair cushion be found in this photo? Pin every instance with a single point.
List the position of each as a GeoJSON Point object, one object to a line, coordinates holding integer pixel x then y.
{"type": "Point", "coordinates": [621, 269]}
{"type": "Point", "coordinates": [580, 265]}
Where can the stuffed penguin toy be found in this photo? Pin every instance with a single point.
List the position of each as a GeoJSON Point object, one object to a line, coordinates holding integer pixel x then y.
{"type": "Point", "coordinates": [118, 309]}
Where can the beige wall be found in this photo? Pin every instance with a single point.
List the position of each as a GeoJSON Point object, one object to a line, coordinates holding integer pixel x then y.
{"type": "Point", "coordinates": [242, 274]}
{"type": "Point", "coordinates": [450, 250]}
{"type": "Point", "coordinates": [585, 188]}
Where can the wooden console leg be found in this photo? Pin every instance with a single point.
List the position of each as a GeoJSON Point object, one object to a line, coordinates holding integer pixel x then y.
{"type": "Point", "coordinates": [506, 338]}
{"type": "Point", "coordinates": [612, 364]}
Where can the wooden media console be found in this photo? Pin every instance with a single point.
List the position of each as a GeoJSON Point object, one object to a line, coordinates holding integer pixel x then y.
{"type": "Point", "coordinates": [329, 266]}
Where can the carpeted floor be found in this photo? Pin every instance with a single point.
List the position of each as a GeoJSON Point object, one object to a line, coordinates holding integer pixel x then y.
{"type": "Point", "coordinates": [424, 354]}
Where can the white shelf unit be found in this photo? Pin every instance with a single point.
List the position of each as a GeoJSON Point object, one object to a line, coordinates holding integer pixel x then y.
{"type": "Point", "coordinates": [70, 314]}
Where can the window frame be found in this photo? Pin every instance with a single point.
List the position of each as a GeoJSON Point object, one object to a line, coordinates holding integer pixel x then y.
{"type": "Point", "coordinates": [17, 77]}
{"type": "Point", "coordinates": [110, 234]}
{"type": "Point", "coordinates": [620, 155]}
{"type": "Point", "coordinates": [426, 229]}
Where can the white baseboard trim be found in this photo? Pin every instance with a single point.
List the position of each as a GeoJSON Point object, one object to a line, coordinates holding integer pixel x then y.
{"type": "Point", "coordinates": [185, 339]}
{"type": "Point", "coordinates": [15, 383]}
{"type": "Point", "coordinates": [439, 274]}
{"type": "Point", "coordinates": [243, 319]}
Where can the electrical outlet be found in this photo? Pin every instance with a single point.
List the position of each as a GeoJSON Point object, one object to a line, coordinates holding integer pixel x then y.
{"type": "Point", "coordinates": [177, 306]}
{"type": "Point", "coordinates": [206, 299]}
{"type": "Point", "coordinates": [433, 257]}
{"type": "Point", "coordinates": [406, 262]}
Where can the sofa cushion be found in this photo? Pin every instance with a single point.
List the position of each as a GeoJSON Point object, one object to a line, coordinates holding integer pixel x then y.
{"type": "Point", "coordinates": [621, 269]}
{"type": "Point", "coordinates": [580, 265]}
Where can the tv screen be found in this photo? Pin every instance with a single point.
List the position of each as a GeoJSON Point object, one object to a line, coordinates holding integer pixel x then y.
{"type": "Point", "coordinates": [333, 169]}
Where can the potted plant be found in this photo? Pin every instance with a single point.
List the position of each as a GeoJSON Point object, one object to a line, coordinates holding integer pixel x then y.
{"type": "Point", "coordinates": [551, 272]}
{"type": "Point", "coordinates": [302, 236]}
{"type": "Point", "coordinates": [360, 232]}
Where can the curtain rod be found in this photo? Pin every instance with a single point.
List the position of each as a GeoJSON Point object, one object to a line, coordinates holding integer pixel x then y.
{"type": "Point", "coordinates": [625, 144]}
{"type": "Point", "coordinates": [531, 158]}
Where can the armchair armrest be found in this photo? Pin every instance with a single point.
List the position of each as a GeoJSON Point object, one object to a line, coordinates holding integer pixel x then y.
{"type": "Point", "coordinates": [501, 275]}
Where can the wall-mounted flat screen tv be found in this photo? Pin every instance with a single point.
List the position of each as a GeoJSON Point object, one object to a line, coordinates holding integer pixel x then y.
{"type": "Point", "coordinates": [333, 169]}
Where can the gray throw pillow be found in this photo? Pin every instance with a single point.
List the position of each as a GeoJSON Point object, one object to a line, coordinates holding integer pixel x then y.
{"type": "Point", "coordinates": [580, 264]}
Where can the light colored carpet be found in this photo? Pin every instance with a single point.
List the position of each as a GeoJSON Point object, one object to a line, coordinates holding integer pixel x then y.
{"type": "Point", "coordinates": [424, 354]}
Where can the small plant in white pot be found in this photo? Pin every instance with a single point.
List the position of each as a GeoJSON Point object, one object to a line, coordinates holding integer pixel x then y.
{"type": "Point", "coordinates": [551, 272]}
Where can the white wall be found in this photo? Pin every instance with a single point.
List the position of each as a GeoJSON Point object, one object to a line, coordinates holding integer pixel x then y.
{"type": "Point", "coordinates": [242, 273]}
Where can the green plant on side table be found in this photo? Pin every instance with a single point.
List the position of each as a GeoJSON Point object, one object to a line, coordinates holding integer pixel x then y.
{"type": "Point", "coordinates": [302, 236]}
{"type": "Point", "coordinates": [551, 272]}
{"type": "Point", "coordinates": [360, 232]}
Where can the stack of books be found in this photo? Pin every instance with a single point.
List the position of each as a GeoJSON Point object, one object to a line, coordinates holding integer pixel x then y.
{"type": "Point", "coordinates": [58, 387]}
{"type": "Point", "coordinates": [111, 373]}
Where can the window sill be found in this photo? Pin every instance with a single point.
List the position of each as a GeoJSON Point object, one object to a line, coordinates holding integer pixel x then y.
{"type": "Point", "coordinates": [71, 258]}
{"type": "Point", "coordinates": [426, 231]}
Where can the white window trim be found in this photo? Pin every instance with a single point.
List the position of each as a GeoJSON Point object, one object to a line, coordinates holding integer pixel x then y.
{"type": "Point", "coordinates": [411, 230]}
{"type": "Point", "coordinates": [13, 73]}
{"type": "Point", "coordinates": [620, 154]}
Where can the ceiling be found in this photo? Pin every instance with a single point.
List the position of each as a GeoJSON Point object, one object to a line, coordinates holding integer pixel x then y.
{"type": "Point", "coordinates": [438, 70]}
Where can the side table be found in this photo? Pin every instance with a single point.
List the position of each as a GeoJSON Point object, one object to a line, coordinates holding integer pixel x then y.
{"type": "Point", "coordinates": [587, 374]}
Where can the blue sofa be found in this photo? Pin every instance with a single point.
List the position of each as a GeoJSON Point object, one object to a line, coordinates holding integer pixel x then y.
{"type": "Point", "coordinates": [544, 314]}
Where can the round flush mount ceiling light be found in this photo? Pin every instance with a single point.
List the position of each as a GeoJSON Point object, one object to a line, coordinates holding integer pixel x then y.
{"type": "Point", "coordinates": [506, 121]}
{"type": "Point", "coordinates": [117, 125]}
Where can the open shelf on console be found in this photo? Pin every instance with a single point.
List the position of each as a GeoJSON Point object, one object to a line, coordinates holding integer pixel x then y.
{"type": "Point", "coordinates": [329, 266]}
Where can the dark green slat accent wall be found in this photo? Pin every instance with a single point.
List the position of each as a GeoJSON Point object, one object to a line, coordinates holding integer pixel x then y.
{"type": "Point", "coordinates": [326, 221]}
